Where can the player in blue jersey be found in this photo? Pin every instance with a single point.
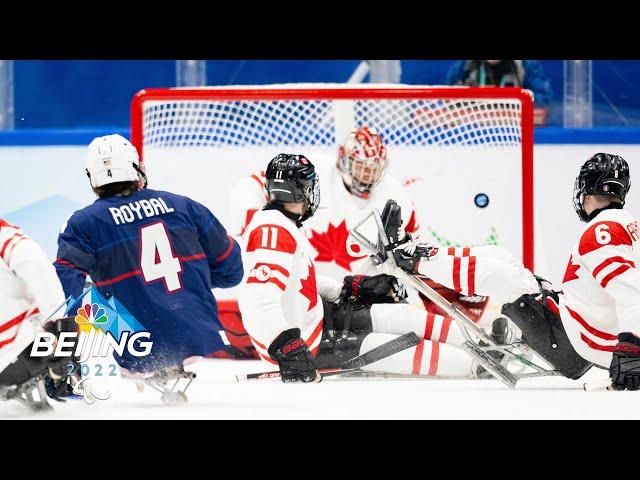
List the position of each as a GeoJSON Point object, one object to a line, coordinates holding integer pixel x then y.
{"type": "Point", "coordinates": [158, 253]}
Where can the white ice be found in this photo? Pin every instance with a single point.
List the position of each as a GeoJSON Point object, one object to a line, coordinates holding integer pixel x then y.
{"type": "Point", "coordinates": [216, 395]}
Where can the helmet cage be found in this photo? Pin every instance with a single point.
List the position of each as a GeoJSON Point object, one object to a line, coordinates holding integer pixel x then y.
{"type": "Point", "coordinates": [363, 160]}
{"type": "Point", "coordinates": [293, 179]}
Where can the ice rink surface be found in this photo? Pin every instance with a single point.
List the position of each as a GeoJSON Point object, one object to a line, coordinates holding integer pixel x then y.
{"type": "Point", "coordinates": [216, 395]}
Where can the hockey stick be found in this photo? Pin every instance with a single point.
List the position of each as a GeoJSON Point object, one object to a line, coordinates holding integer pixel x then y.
{"type": "Point", "coordinates": [382, 255]}
{"type": "Point", "coordinates": [385, 350]}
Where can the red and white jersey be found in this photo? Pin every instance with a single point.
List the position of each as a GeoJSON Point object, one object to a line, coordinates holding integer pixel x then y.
{"type": "Point", "coordinates": [29, 290]}
{"type": "Point", "coordinates": [601, 285]}
{"type": "Point", "coordinates": [280, 289]}
{"type": "Point", "coordinates": [337, 253]}
{"type": "Point", "coordinates": [489, 271]}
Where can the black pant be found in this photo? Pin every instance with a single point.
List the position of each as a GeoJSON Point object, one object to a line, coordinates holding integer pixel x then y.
{"type": "Point", "coordinates": [24, 368]}
{"type": "Point", "coordinates": [345, 326]}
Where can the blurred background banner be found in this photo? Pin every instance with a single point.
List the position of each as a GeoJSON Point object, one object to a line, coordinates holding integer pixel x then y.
{"type": "Point", "coordinates": [97, 93]}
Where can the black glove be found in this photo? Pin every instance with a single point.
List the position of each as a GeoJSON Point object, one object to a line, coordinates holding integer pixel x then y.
{"type": "Point", "coordinates": [62, 369]}
{"type": "Point", "coordinates": [66, 324]}
{"type": "Point", "coordinates": [408, 255]}
{"type": "Point", "coordinates": [381, 288]}
{"type": "Point", "coordinates": [294, 358]}
{"type": "Point", "coordinates": [58, 379]}
{"type": "Point", "coordinates": [625, 365]}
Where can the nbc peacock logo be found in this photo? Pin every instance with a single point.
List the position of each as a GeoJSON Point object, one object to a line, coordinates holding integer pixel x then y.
{"type": "Point", "coordinates": [92, 314]}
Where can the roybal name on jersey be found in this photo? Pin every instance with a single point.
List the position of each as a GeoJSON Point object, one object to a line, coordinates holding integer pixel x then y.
{"type": "Point", "coordinates": [138, 210]}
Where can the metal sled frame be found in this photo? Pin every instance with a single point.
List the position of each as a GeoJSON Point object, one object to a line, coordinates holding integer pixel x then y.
{"type": "Point", "coordinates": [382, 255]}
{"type": "Point", "coordinates": [159, 381]}
{"type": "Point", "coordinates": [24, 393]}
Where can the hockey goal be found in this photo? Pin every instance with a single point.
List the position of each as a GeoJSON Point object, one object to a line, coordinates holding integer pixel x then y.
{"type": "Point", "coordinates": [465, 154]}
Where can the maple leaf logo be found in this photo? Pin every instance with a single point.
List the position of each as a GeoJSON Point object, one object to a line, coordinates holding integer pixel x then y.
{"type": "Point", "coordinates": [309, 289]}
{"type": "Point", "coordinates": [570, 273]}
{"type": "Point", "coordinates": [332, 246]}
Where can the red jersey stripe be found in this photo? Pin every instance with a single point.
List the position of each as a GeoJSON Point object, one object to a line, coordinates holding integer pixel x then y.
{"type": "Point", "coordinates": [14, 321]}
{"type": "Point", "coordinates": [273, 280]}
{"type": "Point", "coordinates": [471, 276]}
{"type": "Point", "coordinates": [589, 328]}
{"type": "Point", "coordinates": [456, 274]}
{"type": "Point", "coordinates": [435, 355]}
{"type": "Point", "coordinates": [596, 346]}
{"type": "Point", "coordinates": [608, 262]}
{"type": "Point", "coordinates": [444, 330]}
{"type": "Point", "coordinates": [228, 251]}
{"type": "Point", "coordinates": [417, 358]}
{"type": "Point", "coordinates": [315, 333]}
{"type": "Point", "coordinates": [273, 266]}
{"type": "Point", "coordinates": [618, 271]}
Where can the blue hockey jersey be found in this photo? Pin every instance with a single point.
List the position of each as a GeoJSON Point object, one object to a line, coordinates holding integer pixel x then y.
{"type": "Point", "coordinates": [159, 254]}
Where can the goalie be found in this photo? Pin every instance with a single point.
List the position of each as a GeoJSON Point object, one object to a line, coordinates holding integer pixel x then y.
{"type": "Point", "coordinates": [355, 182]}
{"type": "Point", "coordinates": [302, 321]}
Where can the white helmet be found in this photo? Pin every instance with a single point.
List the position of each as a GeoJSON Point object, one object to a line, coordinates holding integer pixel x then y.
{"type": "Point", "coordinates": [362, 160]}
{"type": "Point", "coordinates": [112, 159]}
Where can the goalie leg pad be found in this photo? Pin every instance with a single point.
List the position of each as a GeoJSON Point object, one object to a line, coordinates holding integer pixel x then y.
{"type": "Point", "coordinates": [543, 331]}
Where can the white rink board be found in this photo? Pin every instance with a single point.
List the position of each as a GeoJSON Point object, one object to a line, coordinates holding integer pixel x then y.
{"type": "Point", "coordinates": [443, 190]}
{"type": "Point", "coordinates": [33, 174]}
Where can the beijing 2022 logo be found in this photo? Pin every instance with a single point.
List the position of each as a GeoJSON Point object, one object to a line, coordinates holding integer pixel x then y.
{"type": "Point", "coordinates": [105, 327]}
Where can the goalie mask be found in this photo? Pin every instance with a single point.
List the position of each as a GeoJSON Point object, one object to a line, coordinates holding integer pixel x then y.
{"type": "Point", "coordinates": [293, 179]}
{"type": "Point", "coordinates": [113, 159]}
{"type": "Point", "coordinates": [362, 160]}
{"type": "Point", "coordinates": [602, 174]}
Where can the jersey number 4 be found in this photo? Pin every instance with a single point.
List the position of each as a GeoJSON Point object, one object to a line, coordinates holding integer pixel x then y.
{"type": "Point", "coordinates": [157, 260]}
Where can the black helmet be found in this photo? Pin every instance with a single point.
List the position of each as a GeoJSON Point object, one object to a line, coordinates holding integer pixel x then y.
{"type": "Point", "coordinates": [293, 179]}
{"type": "Point", "coordinates": [602, 174]}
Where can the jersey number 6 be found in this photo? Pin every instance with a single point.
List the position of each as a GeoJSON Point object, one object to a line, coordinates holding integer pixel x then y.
{"type": "Point", "coordinates": [156, 257]}
{"type": "Point", "coordinates": [603, 237]}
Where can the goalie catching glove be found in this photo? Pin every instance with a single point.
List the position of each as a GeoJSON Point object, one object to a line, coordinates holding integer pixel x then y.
{"type": "Point", "coordinates": [368, 290]}
{"type": "Point", "coordinates": [296, 362]}
{"type": "Point", "coordinates": [625, 364]}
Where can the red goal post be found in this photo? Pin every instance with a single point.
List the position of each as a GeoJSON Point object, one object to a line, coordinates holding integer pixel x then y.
{"type": "Point", "coordinates": [463, 140]}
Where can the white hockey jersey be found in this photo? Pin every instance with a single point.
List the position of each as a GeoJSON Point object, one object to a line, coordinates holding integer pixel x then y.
{"type": "Point", "coordinates": [29, 291]}
{"type": "Point", "coordinates": [601, 285]}
{"type": "Point", "coordinates": [337, 253]}
{"type": "Point", "coordinates": [280, 289]}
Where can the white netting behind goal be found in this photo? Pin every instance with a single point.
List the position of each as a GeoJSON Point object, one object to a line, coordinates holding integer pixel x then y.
{"type": "Point", "coordinates": [213, 123]}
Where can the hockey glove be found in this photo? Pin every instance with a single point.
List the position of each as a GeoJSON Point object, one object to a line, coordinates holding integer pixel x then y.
{"type": "Point", "coordinates": [296, 362]}
{"type": "Point", "coordinates": [625, 364]}
{"type": "Point", "coordinates": [408, 255]}
{"type": "Point", "coordinates": [62, 371]}
{"type": "Point", "coordinates": [368, 290]}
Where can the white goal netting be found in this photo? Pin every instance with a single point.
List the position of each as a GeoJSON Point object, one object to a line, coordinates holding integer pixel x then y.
{"type": "Point", "coordinates": [464, 154]}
